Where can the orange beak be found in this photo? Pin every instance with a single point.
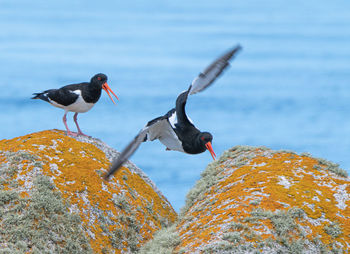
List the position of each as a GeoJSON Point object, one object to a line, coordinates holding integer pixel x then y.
{"type": "Point", "coordinates": [210, 149]}
{"type": "Point", "coordinates": [108, 89]}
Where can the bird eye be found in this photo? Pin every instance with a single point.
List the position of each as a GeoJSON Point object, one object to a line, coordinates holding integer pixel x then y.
{"type": "Point", "coordinates": [202, 138]}
{"type": "Point", "coordinates": [99, 78]}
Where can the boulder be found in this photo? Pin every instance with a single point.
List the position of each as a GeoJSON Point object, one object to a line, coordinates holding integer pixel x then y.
{"type": "Point", "coordinates": [256, 200]}
{"type": "Point", "coordinates": [53, 198]}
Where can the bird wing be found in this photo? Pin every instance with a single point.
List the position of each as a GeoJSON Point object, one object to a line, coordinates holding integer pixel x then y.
{"type": "Point", "coordinates": [182, 118]}
{"type": "Point", "coordinates": [61, 96]}
{"type": "Point", "coordinates": [207, 77]}
{"type": "Point", "coordinates": [204, 79]}
{"type": "Point", "coordinates": [150, 132]}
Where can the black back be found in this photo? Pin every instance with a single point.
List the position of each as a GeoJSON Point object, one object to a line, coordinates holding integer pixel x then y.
{"type": "Point", "coordinates": [90, 91]}
{"type": "Point", "coordinates": [184, 129]}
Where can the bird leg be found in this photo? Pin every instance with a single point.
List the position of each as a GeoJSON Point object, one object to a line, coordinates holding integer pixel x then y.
{"type": "Point", "coordinates": [65, 124]}
{"type": "Point", "coordinates": [76, 123]}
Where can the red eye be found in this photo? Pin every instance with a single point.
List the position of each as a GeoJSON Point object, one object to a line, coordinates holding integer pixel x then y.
{"type": "Point", "coordinates": [99, 78]}
{"type": "Point", "coordinates": [202, 138]}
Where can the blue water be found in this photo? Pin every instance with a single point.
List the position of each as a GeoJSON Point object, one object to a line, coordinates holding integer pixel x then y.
{"type": "Point", "coordinates": [288, 89]}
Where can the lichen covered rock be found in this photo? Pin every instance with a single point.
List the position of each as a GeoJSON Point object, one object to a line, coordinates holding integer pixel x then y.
{"type": "Point", "coordinates": [255, 200]}
{"type": "Point", "coordinates": [53, 198]}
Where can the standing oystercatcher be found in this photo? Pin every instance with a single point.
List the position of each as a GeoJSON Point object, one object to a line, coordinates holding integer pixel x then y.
{"type": "Point", "coordinates": [78, 98]}
{"type": "Point", "coordinates": [175, 130]}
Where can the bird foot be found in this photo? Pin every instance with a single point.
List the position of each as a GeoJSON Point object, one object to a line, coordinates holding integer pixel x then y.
{"type": "Point", "coordinates": [167, 149]}
{"type": "Point", "coordinates": [82, 134]}
{"type": "Point", "coordinates": [73, 134]}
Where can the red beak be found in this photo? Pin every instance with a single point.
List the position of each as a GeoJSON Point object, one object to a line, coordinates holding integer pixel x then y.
{"type": "Point", "coordinates": [108, 89]}
{"type": "Point", "coordinates": [210, 149]}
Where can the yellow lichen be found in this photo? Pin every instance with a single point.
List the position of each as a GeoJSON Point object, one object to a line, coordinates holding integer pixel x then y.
{"type": "Point", "coordinates": [270, 181]}
{"type": "Point", "coordinates": [75, 169]}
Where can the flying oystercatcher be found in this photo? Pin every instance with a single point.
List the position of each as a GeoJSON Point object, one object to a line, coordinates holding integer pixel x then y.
{"type": "Point", "coordinates": [78, 98]}
{"type": "Point", "coordinates": [175, 130]}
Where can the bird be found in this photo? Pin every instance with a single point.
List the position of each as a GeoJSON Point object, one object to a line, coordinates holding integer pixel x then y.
{"type": "Point", "coordinates": [78, 98]}
{"type": "Point", "coordinates": [175, 130]}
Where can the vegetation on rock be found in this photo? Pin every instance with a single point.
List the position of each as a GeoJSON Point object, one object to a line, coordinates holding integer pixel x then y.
{"type": "Point", "coordinates": [53, 198]}
{"type": "Point", "coordinates": [255, 200]}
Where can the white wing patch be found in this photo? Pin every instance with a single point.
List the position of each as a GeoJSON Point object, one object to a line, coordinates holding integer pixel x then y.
{"type": "Point", "coordinates": [170, 139]}
{"type": "Point", "coordinates": [173, 120]}
{"type": "Point", "coordinates": [163, 131]}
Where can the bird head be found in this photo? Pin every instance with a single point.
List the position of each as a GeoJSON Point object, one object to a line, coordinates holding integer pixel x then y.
{"type": "Point", "coordinates": [101, 79]}
{"type": "Point", "coordinates": [205, 138]}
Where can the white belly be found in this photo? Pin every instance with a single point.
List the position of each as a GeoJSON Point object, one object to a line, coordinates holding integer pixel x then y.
{"type": "Point", "coordinates": [79, 106]}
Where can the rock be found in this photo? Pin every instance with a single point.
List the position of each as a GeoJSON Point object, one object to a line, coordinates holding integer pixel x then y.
{"type": "Point", "coordinates": [255, 200]}
{"type": "Point", "coordinates": [54, 200]}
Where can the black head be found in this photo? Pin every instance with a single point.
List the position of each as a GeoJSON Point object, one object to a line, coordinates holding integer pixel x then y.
{"type": "Point", "coordinates": [205, 139]}
{"type": "Point", "coordinates": [99, 79]}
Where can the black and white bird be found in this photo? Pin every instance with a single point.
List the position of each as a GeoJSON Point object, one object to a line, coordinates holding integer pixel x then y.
{"type": "Point", "coordinates": [175, 130]}
{"type": "Point", "coordinates": [78, 98]}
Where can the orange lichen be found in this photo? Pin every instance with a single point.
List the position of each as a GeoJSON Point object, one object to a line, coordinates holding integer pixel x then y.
{"type": "Point", "coordinates": [270, 181]}
{"type": "Point", "coordinates": [75, 169]}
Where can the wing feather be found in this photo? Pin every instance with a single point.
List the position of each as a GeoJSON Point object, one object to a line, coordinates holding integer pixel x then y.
{"type": "Point", "coordinates": [208, 76]}
{"type": "Point", "coordinates": [150, 132]}
{"type": "Point", "coordinates": [127, 152]}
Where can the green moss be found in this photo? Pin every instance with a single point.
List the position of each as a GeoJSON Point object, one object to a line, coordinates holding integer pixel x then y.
{"type": "Point", "coordinates": [306, 154]}
{"type": "Point", "coordinates": [7, 196]}
{"type": "Point", "coordinates": [40, 223]}
{"type": "Point", "coordinates": [121, 202]}
{"type": "Point", "coordinates": [233, 237]}
{"type": "Point", "coordinates": [219, 247]}
{"type": "Point", "coordinates": [125, 236]}
{"type": "Point", "coordinates": [209, 177]}
{"type": "Point", "coordinates": [333, 167]}
{"type": "Point", "coordinates": [255, 202]}
{"type": "Point", "coordinates": [289, 234]}
{"type": "Point", "coordinates": [283, 222]}
{"type": "Point", "coordinates": [237, 226]}
{"type": "Point", "coordinates": [333, 229]}
{"type": "Point", "coordinates": [164, 242]}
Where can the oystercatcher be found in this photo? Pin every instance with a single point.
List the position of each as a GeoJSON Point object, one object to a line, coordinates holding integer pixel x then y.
{"type": "Point", "coordinates": [175, 130]}
{"type": "Point", "coordinates": [78, 98]}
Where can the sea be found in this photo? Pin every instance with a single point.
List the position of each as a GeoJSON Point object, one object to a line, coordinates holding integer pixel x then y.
{"type": "Point", "coordinates": [289, 88]}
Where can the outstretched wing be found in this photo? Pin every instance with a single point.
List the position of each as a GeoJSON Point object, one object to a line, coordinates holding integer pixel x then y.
{"type": "Point", "coordinates": [127, 152]}
{"type": "Point", "coordinates": [150, 132]}
{"type": "Point", "coordinates": [207, 77]}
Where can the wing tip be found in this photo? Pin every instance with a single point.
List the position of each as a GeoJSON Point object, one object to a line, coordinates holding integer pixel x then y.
{"type": "Point", "coordinates": [238, 47]}
{"type": "Point", "coordinates": [233, 51]}
{"type": "Point", "coordinates": [107, 176]}
{"type": "Point", "coordinates": [113, 169]}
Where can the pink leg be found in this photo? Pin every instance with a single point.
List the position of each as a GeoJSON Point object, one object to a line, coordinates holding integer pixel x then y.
{"type": "Point", "coordinates": [65, 124]}
{"type": "Point", "coordinates": [76, 123]}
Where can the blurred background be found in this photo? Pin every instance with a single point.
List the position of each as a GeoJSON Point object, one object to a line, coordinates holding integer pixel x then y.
{"type": "Point", "coordinates": [288, 89]}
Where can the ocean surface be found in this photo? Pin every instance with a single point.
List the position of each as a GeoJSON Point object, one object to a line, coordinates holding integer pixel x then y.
{"type": "Point", "coordinates": [288, 89]}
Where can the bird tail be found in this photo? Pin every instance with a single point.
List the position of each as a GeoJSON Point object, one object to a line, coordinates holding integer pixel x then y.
{"type": "Point", "coordinates": [43, 96]}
